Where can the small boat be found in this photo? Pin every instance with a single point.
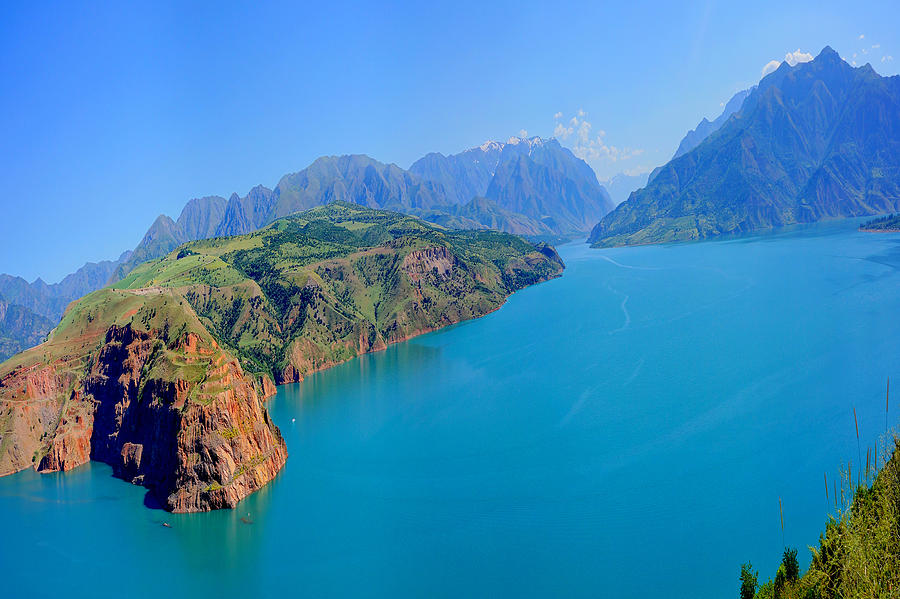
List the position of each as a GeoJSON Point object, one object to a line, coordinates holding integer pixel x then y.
{"type": "Point", "coordinates": [167, 525]}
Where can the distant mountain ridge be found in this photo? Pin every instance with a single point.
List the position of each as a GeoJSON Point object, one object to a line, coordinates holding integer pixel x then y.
{"type": "Point", "coordinates": [29, 310]}
{"type": "Point", "coordinates": [533, 177]}
{"type": "Point", "coordinates": [621, 186]}
{"type": "Point", "coordinates": [525, 186]}
{"type": "Point", "coordinates": [817, 140]}
{"type": "Point", "coordinates": [534, 187]}
{"type": "Point", "coordinates": [706, 127]}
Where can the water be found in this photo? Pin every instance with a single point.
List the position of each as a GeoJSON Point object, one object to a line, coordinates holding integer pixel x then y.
{"type": "Point", "coordinates": [624, 431]}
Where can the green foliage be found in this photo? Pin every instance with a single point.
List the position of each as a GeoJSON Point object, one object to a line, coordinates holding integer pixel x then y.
{"type": "Point", "coordinates": [766, 590]}
{"type": "Point", "coordinates": [309, 291]}
{"type": "Point", "coordinates": [790, 564]}
{"type": "Point", "coordinates": [748, 581]}
{"type": "Point", "coordinates": [858, 554]}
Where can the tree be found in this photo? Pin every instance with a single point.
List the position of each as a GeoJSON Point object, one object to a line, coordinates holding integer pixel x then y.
{"type": "Point", "coordinates": [748, 581]}
{"type": "Point", "coordinates": [791, 566]}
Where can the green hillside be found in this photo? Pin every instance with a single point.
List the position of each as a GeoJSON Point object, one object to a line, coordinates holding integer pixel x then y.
{"type": "Point", "coordinates": [163, 374]}
{"type": "Point", "coordinates": [858, 555]}
{"type": "Point", "coordinates": [321, 287]}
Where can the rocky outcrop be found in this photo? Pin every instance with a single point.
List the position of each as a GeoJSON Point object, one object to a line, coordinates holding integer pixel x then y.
{"type": "Point", "coordinates": [36, 403]}
{"type": "Point", "coordinates": [437, 261]}
{"type": "Point", "coordinates": [182, 419]}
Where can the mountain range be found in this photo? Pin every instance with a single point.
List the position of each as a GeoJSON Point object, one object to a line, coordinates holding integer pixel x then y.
{"type": "Point", "coordinates": [29, 310]}
{"type": "Point", "coordinates": [817, 140]}
{"type": "Point", "coordinates": [526, 186]}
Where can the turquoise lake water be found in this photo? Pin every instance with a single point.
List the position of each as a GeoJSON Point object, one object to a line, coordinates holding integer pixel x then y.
{"type": "Point", "coordinates": [626, 430]}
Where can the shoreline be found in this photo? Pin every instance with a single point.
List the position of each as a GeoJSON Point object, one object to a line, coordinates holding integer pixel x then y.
{"type": "Point", "coordinates": [405, 338]}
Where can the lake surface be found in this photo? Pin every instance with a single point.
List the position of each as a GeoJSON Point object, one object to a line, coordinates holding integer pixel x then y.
{"type": "Point", "coordinates": [624, 431]}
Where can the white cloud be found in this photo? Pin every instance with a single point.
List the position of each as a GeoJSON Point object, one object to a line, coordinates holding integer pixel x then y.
{"type": "Point", "coordinates": [796, 57]}
{"type": "Point", "coordinates": [562, 132]}
{"type": "Point", "coordinates": [861, 36]}
{"type": "Point", "coordinates": [636, 171]}
{"type": "Point", "coordinates": [557, 116]}
{"type": "Point", "coordinates": [876, 46]}
{"type": "Point", "coordinates": [792, 58]}
{"type": "Point", "coordinates": [590, 145]}
{"type": "Point", "coordinates": [523, 133]}
{"type": "Point", "coordinates": [887, 58]}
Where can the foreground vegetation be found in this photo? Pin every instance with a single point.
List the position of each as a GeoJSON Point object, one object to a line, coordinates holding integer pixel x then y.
{"type": "Point", "coordinates": [858, 555]}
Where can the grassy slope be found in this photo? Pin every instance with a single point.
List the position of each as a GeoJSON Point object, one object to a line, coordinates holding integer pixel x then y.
{"type": "Point", "coordinates": [306, 292]}
{"type": "Point", "coordinates": [303, 290]}
{"type": "Point", "coordinates": [859, 553]}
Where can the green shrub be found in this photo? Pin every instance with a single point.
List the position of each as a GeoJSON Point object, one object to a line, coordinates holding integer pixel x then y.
{"type": "Point", "coordinates": [748, 581]}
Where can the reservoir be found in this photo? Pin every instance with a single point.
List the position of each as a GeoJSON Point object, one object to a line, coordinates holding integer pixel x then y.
{"type": "Point", "coordinates": [627, 430]}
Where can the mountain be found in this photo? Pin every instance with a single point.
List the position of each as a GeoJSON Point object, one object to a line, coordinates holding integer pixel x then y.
{"type": "Point", "coordinates": [532, 177]}
{"type": "Point", "coordinates": [622, 185]}
{"type": "Point", "coordinates": [200, 218]}
{"type": "Point", "coordinates": [524, 186]}
{"type": "Point", "coordinates": [704, 129]}
{"type": "Point", "coordinates": [29, 310]}
{"type": "Point", "coordinates": [358, 179]}
{"type": "Point", "coordinates": [696, 136]}
{"type": "Point", "coordinates": [20, 328]}
{"type": "Point", "coordinates": [463, 176]}
{"type": "Point", "coordinates": [247, 214]}
{"type": "Point", "coordinates": [164, 375]}
{"type": "Point", "coordinates": [817, 140]}
{"type": "Point", "coordinates": [482, 213]}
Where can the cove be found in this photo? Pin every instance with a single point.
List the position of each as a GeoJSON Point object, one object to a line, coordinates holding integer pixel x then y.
{"type": "Point", "coordinates": [626, 430]}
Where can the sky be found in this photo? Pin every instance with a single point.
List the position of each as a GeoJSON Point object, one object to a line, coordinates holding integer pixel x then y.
{"type": "Point", "coordinates": [112, 114]}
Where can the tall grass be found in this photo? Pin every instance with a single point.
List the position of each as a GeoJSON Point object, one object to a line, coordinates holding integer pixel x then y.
{"type": "Point", "coordinates": [858, 555]}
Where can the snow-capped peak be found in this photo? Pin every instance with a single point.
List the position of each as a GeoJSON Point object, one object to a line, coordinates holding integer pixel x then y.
{"type": "Point", "coordinates": [529, 141]}
{"type": "Point", "coordinates": [490, 145]}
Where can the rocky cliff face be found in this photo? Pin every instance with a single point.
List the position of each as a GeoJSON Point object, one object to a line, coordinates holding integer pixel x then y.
{"type": "Point", "coordinates": [196, 444]}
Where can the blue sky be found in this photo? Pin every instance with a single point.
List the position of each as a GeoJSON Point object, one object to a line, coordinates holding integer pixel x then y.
{"type": "Point", "coordinates": [113, 114]}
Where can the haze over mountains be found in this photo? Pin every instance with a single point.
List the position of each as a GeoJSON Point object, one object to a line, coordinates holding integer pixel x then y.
{"type": "Point", "coordinates": [813, 141]}
{"type": "Point", "coordinates": [29, 310]}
